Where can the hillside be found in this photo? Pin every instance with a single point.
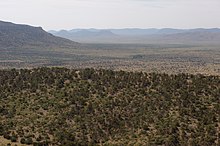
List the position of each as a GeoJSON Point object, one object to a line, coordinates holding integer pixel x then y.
{"type": "Point", "coordinates": [17, 35]}
{"type": "Point", "coordinates": [59, 106]}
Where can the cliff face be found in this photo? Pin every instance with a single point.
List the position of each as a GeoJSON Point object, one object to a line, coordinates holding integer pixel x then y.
{"type": "Point", "coordinates": [17, 35]}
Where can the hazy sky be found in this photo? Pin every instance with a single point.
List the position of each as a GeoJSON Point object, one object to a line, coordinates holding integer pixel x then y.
{"type": "Point", "coordinates": [68, 14]}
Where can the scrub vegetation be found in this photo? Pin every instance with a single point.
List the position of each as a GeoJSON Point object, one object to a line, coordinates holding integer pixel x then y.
{"type": "Point", "coordinates": [60, 106]}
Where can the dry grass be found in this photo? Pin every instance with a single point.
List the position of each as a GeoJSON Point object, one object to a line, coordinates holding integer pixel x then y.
{"type": "Point", "coordinates": [4, 142]}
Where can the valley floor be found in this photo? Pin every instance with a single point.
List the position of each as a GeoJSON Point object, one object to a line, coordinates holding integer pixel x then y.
{"type": "Point", "coordinates": [171, 59]}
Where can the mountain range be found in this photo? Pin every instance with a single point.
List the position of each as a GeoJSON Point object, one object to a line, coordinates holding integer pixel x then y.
{"type": "Point", "coordinates": [136, 35]}
{"type": "Point", "coordinates": [18, 35]}
{"type": "Point", "coordinates": [24, 36]}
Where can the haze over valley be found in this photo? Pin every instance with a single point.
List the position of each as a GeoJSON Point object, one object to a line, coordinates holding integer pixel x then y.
{"type": "Point", "coordinates": [143, 36]}
{"type": "Point", "coordinates": [160, 50]}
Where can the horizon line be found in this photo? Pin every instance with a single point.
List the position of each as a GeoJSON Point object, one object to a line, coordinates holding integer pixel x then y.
{"type": "Point", "coordinates": [134, 28]}
{"type": "Point", "coordinates": [113, 28]}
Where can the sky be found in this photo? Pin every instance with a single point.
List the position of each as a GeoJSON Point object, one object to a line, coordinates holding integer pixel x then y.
{"type": "Point", "coordinates": [70, 14]}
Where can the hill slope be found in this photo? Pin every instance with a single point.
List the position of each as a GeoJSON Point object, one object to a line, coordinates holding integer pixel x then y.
{"type": "Point", "coordinates": [17, 35]}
